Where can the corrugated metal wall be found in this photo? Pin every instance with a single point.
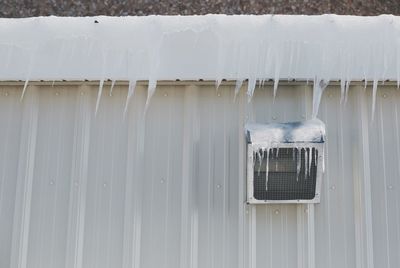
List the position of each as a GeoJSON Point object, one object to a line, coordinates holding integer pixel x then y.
{"type": "Point", "coordinates": [167, 189]}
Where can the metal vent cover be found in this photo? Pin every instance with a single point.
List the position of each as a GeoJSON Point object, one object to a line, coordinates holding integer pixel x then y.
{"type": "Point", "coordinates": [292, 175]}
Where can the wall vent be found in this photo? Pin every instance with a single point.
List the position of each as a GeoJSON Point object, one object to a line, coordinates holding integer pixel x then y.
{"type": "Point", "coordinates": [285, 162]}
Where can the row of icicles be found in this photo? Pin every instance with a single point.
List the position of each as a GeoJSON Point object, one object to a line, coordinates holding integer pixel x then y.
{"type": "Point", "coordinates": [266, 154]}
{"type": "Point", "coordinates": [318, 89]}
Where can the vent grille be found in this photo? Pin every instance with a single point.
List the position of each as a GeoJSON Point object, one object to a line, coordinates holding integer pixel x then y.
{"type": "Point", "coordinates": [291, 174]}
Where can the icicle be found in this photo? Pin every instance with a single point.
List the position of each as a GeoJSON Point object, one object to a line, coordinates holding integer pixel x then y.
{"type": "Point", "coordinates": [305, 163]}
{"type": "Point", "coordinates": [131, 90]}
{"type": "Point", "coordinates": [99, 95]}
{"type": "Point", "coordinates": [346, 91]}
{"type": "Point", "coordinates": [298, 154]}
{"type": "Point", "coordinates": [342, 90]}
{"type": "Point", "coordinates": [238, 86]}
{"type": "Point", "coordinates": [365, 84]}
{"type": "Point", "coordinates": [277, 152]}
{"type": "Point", "coordinates": [112, 86]}
{"type": "Point", "coordinates": [309, 160]}
{"type": "Point", "coordinates": [276, 81]}
{"type": "Point", "coordinates": [24, 89]}
{"type": "Point", "coordinates": [150, 92]}
{"type": "Point", "coordinates": [218, 83]}
{"type": "Point", "coordinates": [315, 158]}
{"type": "Point", "coordinates": [374, 89]}
{"type": "Point", "coordinates": [318, 88]}
{"type": "Point", "coordinates": [259, 83]}
{"type": "Point", "coordinates": [259, 157]}
{"type": "Point", "coordinates": [250, 88]}
{"type": "Point", "coordinates": [267, 170]}
{"type": "Point", "coordinates": [323, 158]}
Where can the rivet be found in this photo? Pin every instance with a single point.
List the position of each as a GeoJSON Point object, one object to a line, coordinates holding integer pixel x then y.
{"type": "Point", "coordinates": [162, 181]}
{"type": "Point", "coordinates": [333, 187]}
{"type": "Point", "coordinates": [384, 95]}
{"type": "Point", "coordinates": [274, 118]}
{"type": "Point", "coordinates": [219, 94]}
{"type": "Point", "coordinates": [276, 211]}
{"type": "Point", "coordinates": [51, 182]}
{"type": "Point", "coordinates": [104, 185]}
{"type": "Point", "coordinates": [390, 187]}
{"type": "Point", "coordinates": [247, 211]}
{"type": "Point", "coordinates": [165, 94]}
{"type": "Point", "coordinates": [57, 93]}
{"type": "Point", "coordinates": [82, 93]}
{"type": "Point", "coordinates": [219, 186]}
{"type": "Point", "coordinates": [6, 94]}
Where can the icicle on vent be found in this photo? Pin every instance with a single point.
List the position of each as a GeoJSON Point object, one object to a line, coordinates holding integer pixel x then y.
{"type": "Point", "coordinates": [287, 161]}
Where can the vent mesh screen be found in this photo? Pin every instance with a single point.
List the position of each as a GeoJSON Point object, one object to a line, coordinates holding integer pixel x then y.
{"type": "Point", "coordinates": [292, 174]}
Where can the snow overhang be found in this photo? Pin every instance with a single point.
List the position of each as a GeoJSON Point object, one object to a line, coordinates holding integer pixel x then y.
{"type": "Point", "coordinates": [263, 136]}
{"type": "Point", "coordinates": [211, 47]}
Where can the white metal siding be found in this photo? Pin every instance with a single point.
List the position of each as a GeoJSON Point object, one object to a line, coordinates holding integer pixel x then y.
{"type": "Point", "coordinates": [167, 188]}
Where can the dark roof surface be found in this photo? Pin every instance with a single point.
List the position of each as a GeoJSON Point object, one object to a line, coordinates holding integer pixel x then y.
{"type": "Point", "coordinates": [29, 8]}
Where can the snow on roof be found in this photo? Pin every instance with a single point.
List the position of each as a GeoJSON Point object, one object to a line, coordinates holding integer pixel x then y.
{"type": "Point", "coordinates": [211, 47]}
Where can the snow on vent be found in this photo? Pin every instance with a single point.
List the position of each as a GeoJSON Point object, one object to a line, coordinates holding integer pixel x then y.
{"type": "Point", "coordinates": [285, 162]}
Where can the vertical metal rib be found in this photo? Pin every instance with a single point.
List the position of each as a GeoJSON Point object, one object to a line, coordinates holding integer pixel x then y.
{"type": "Point", "coordinates": [79, 173]}
{"type": "Point", "coordinates": [26, 165]}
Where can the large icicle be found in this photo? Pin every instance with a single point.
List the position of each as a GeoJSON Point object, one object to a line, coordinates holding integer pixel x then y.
{"type": "Point", "coordinates": [251, 85]}
{"type": "Point", "coordinates": [218, 83]}
{"type": "Point", "coordinates": [342, 90]}
{"type": "Point", "coordinates": [24, 89]}
{"type": "Point", "coordinates": [318, 88]}
{"type": "Point", "coordinates": [99, 94]}
{"type": "Point", "coordinates": [276, 82]}
{"type": "Point", "coordinates": [150, 92]}
{"type": "Point", "coordinates": [131, 91]}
